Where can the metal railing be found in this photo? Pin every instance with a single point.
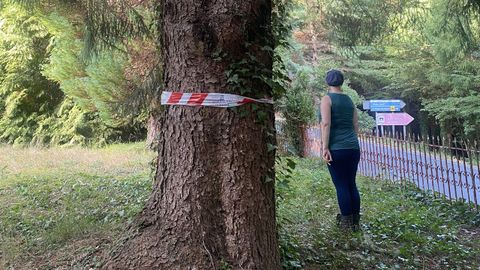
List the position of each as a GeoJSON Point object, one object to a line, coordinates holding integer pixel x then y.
{"type": "Point", "coordinates": [447, 168]}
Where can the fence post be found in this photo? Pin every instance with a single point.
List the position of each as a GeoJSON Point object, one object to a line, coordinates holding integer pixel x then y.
{"type": "Point", "coordinates": [364, 156]}
{"type": "Point", "coordinates": [411, 174]}
{"type": "Point", "coordinates": [378, 164]}
{"type": "Point", "coordinates": [460, 183]}
{"type": "Point", "coordinates": [425, 162]}
{"type": "Point", "coordinates": [465, 173]}
{"type": "Point", "coordinates": [436, 146]}
{"type": "Point", "coordinates": [403, 157]}
{"type": "Point", "coordinates": [431, 165]}
{"type": "Point", "coordinates": [417, 171]}
{"type": "Point", "coordinates": [453, 170]}
{"type": "Point", "coordinates": [398, 156]}
{"type": "Point", "coordinates": [372, 156]}
{"type": "Point", "coordinates": [388, 155]}
{"type": "Point", "coordinates": [408, 156]}
{"type": "Point", "coordinates": [477, 155]}
{"type": "Point", "coordinates": [471, 154]}
{"type": "Point", "coordinates": [446, 170]}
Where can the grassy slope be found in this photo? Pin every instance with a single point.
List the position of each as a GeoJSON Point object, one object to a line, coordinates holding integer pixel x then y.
{"type": "Point", "coordinates": [65, 208]}
{"type": "Point", "coordinates": [403, 228]}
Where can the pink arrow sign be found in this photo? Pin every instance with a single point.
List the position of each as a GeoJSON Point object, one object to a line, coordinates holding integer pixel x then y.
{"type": "Point", "coordinates": [393, 119]}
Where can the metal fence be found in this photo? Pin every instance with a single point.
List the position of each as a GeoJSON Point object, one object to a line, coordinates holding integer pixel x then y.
{"type": "Point", "coordinates": [447, 168]}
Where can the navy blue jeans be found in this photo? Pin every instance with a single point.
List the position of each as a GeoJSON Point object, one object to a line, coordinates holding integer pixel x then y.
{"type": "Point", "coordinates": [343, 170]}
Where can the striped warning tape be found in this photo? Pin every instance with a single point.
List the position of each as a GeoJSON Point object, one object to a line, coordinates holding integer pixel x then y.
{"type": "Point", "coordinates": [208, 99]}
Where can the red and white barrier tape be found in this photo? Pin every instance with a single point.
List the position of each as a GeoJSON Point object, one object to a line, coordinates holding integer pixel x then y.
{"type": "Point", "coordinates": [208, 99]}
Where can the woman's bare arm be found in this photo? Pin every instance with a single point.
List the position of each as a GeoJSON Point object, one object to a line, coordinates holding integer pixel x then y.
{"type": "Point", "coordinates": [325, 110]}
{"type": "Point", "coordinates": [355, 120]}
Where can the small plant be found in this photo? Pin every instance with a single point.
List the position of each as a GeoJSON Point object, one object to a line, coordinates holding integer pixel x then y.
{"type": "Point", "coordinates": [224, 265]}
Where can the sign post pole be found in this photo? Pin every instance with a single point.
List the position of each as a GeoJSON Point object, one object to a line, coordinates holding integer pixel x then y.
{"type": "Point", "coordinates": [393, 125]}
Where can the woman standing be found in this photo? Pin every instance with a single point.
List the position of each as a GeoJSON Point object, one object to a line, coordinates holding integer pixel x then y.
{"type": "Point", "coordinates": [341, 149]}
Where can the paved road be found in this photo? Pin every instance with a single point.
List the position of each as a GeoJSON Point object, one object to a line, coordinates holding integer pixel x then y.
{"type": "Point", "coordinates": [454, 179]}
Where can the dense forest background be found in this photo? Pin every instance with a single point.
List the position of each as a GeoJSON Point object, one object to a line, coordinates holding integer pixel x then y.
{"type": "Point", "coordinates": [66, 78]}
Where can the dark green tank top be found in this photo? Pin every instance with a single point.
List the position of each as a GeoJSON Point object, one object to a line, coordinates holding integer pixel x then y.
{"type": "Point", "coordinates": [342, 131]}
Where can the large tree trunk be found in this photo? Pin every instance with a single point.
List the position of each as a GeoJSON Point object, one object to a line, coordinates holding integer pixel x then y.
{"type": "Point", "coordinates": [213, 201]}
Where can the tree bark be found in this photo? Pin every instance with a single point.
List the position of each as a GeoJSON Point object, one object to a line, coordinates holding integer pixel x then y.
{"type": "Point", "coordinates": [153, 125]}
{"type": "Point", "coordinates": [213, 204]}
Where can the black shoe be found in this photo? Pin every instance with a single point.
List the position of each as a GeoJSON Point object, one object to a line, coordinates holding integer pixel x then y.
{"type": "Point", "coordinates": [356, 222]}
{"type": "Point", "coordinates": [338, 220]}
{"type": "Point", "coordinates": [344, 222]}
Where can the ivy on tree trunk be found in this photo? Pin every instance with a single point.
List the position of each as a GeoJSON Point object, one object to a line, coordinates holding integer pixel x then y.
{"type": "Point", "coordinates": [213, 202]}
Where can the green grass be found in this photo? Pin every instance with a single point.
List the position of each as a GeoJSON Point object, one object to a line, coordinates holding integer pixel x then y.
{"type": "Point", "coordinates": [64, 208]}
{"type": "Point", "coordinates": [60, 207]}
{"type": "Point", "coordinates": [402, 228]}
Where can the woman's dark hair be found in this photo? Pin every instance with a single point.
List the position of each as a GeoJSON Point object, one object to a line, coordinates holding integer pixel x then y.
{"type": "Point", "coordinates": [334, 77]}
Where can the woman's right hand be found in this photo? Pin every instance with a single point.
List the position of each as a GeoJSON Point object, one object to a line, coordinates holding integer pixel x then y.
{"type": "Point", "coordinates": [327, 156]}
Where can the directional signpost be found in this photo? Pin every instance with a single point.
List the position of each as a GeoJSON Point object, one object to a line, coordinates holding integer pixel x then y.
{"type": "Point", "coordinates": [392, 105]}
{"type": "Point", "coordinates": [388, 119]}
{"type": "Point", "coordinates": [393, 119]}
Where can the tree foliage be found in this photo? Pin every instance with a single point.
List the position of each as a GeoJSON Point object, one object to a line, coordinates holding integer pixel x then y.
{"type": "Point", "coordinates": [301, 104]}
{"type": "Point", "coordinates": [102, 58]}
{"type": "Point", "coordinates": [49, 94]}
{"type": "Point", "coordinates": [26, 95]}
{"type": "Point", "coordinates": [425, 52]}
{"type": "Point", "coordinates": [353, 23]}
{"type": "Point", "coordinates": [96, 86]}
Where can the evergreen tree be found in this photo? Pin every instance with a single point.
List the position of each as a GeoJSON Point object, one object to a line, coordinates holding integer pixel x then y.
{"type": "Point", "coordinates": [27, 96]}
